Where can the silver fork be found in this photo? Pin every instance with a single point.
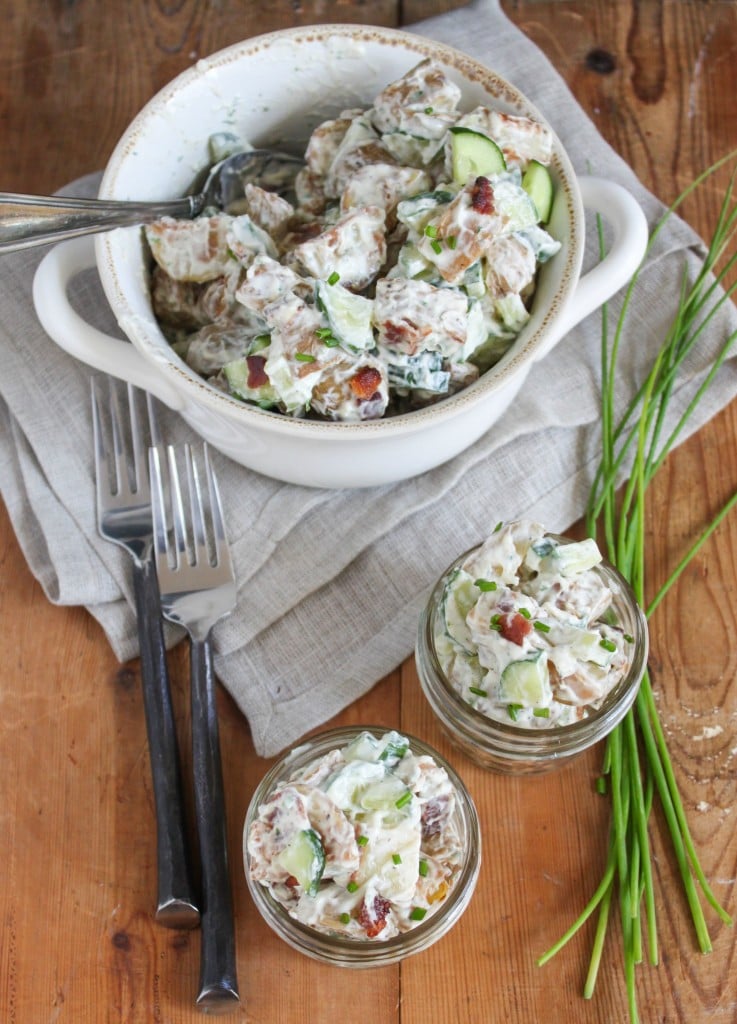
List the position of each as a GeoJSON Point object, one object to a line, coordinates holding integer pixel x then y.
{"type": "Point", "coordinates": [124, 517]}
{"type": "Point", "coordinates": [197, 587]}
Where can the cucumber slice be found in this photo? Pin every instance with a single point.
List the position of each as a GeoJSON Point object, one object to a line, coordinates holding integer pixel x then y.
{"type": "Point", "coordinates": [349, 316]}
{"type": "Point", "coordinates": [304, 858]}
{"type": "Point", "coordinates": [570, 559]}
{"type": "Point", "coordinates": [473, 154]}
{"type": "Point", "coordinates": [395, 749]}
{"type": "Point", "coordinates": [237, 375]}
{"type": "Point", "coordinates": [526, 683]}
{"type": "Point", "coordinates": [415, 211]}
{"type": "Point", "coordinates": [538, 184]}
{"type": "Point", "coordinates": [458, 599]}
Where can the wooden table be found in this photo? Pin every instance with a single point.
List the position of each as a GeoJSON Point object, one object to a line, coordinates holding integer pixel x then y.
{"type": "Point", "coordinates": [76, 841]}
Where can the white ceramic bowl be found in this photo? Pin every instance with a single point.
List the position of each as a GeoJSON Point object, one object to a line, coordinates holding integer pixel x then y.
{"type": "Point", "coordinates": [273, 88]}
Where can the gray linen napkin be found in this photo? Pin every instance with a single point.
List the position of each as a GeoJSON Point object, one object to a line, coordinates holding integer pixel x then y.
{"type": "Point", "coordinates": [331, 583]}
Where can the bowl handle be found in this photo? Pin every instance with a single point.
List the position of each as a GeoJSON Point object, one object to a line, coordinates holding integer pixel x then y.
{"type": "Point", "coordinates": [620, 209]}
{"type": "Point", "coordinates": [80, 339]}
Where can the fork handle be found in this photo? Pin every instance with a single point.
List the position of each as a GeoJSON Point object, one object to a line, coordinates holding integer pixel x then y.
{"type": "Point", "coordinates": [176, 905]}
{"type": "Point", "coordinates": [218, 981]}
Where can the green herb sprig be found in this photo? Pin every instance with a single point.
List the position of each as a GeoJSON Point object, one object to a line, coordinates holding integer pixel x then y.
{"type": "Point", "coordinates": [637, 764]}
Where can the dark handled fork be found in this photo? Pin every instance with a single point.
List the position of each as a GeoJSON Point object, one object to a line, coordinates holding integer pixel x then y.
{"type": "Point", "coordinates": [197, 588]}
{"type": "Point", "coordinates": [124, 517]}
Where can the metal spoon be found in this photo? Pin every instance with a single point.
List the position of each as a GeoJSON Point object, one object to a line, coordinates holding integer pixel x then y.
{"type": "Point", "coordinates": [26, 221]}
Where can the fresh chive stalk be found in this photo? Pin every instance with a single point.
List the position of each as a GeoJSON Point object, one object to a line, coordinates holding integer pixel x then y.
{"type": "Point", "coordinates": [637, 763]}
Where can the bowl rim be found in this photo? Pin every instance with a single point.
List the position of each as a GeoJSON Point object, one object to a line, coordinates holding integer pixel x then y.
{"type": "Point", "coordinates": [111, 247]}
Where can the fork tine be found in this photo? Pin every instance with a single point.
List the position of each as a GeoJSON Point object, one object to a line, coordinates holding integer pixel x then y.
{"type": "Point", "coordinates": [199, 536]}
{"type": "Point", "coordinates": [140, 481]}
{"type": "Point", "coordinates": [178, 522]}
{"type": "Point", "coordinates": [222, 548]}
{"type": "Point", "coordinates": [158, 510]}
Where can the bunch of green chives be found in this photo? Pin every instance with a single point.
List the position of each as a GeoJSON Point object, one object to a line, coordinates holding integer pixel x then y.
{"type": "Point", "coordinates": [637, 764]}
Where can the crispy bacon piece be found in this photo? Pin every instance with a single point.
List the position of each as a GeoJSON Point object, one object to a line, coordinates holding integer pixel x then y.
{"type": "Point", "coordinates": [373, 918]}
{"type": "Point", "coordinates": [365, 382]}
{"type": "Point", "coordinates": [482, 195]}
{"type": "Point", "coordinates": [256, 373]}
{"type": "Point", "coordinates": [514, 627]}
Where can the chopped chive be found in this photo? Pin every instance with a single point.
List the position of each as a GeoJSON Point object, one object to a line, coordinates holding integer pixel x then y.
{"type": "Point", "coordinates": [525, 612]}
{"type": "Point", "coordinates": [417, 913]}
{"type": "Point", "coordinates": [304, 357]}
{"type": "Point", "coordinates": [608, 645]}
{"type": "Point", "coordinates": [431, 231]}
{"type": "Point", "coordinates": [429, 110]}
{"type": "Point", "coordinates": [345, 918]}
{"type": "Point", "coordinates": [478, 692]}
{"type": "Point", "coordinates": [485, 584]}
{"type": "Point", "coordinates": [498, 526]}
{"type": "Point", "coordinates": [362, 840]}
{"type": "Point", "coordinates": [404, 799]}
{"type": "Point", "coordinates": [495, 623]}
{"type": "Point", "coordinates": [541, 712]}
{"type": "Point", "coordinates": [451, 241]}
{"type": "Point", "coordinates": [541, 627]}
{"type": "Point", "coordinates": [512, 711]}
{"type": "Point", "coordinates": [424, 868]}
{"type": "Point", "coordinates": [396, 858]}
{"type": "Point", "coordinates": [601, 785]}
{"type": "Point", "coordinates": [436, 246]}
{"type": "Point", "coordinates": [629, 639]}
{"type": "Point", "coordinates": [352, 886]}
{"type": "Point", "coordinates": [334, 277]}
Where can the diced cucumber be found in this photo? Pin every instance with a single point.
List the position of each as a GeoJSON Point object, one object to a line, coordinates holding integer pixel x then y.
{"type": "Point", "coordinates": [396, 746]}
{"type": "Point", "coordinates": [526, 683]}
{"type": "Point", "coordinates": [304, 858]}
{"type": "Point", "coordinates": [349, 316]}
{"type": "Point", "coordinates": [385, 795]}
{"type": "Point", "coordinates": [416, 211]}
{"type": "Point", "coordinates": [473, 280]}
{"type": "Point", "coordinates": [513, 312]}
{"type": "Point", "coordinates": [423, 372]}
{"type": "Point", "coordinates": [571, 559]}
{"type": "Point", "coordinates": [237, 374]}
{"type": "Point", "coordinates": [458, 599]}
{"type": "Point", "coordinates": [474, 154]}
{"type": "Point", "coordinates": [365, 747]}
{"type": "Point", "coordinates": [538, 184]}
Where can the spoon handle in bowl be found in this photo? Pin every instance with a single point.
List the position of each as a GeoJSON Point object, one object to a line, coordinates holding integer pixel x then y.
{"type": "Point", "coordinates": [26, 221]}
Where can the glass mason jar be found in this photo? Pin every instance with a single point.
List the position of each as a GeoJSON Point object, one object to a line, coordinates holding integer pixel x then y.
{"type": "Point", "coordinates": [509, 747]}
{"type": "Point", "coordinates": [345, 951]}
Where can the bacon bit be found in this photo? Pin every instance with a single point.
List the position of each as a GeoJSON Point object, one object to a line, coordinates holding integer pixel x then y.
{"type": "Point", "coordinates": [514, 627]}
{"type": "Point", "coordinates": [365, 383]}
{"type": "Point", "coordinates": [373, 919]}
{"type": "Point", "coordinates": [256, 373]}
{"type": "Point", "coordinates": [292, 882]}
{"type": "Point", "coordinates": [482, 195]}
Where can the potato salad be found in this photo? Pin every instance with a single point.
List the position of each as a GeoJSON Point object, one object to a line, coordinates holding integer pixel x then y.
{"type": "Point", "coordinates": [522, 633]}
{"type": "Point", "coordinates": [400, 267]}
{"type": "Point", "coordinates": [362, 841]}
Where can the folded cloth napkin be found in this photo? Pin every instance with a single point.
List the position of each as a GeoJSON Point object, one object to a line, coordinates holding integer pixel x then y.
{"type": "Point", "coordinates": [331, 583]}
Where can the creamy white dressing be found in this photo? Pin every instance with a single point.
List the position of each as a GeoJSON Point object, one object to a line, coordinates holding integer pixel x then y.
{"type": "Point", "coordinates": [377, 824]}
{"type": "Point", "coordinates": [445, 274]}
{"type": "Point", "coordinates": [522, 632]}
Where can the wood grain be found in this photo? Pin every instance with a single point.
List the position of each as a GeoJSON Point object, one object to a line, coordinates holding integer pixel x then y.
{"type": "Point", "coordinates": [78, 944]}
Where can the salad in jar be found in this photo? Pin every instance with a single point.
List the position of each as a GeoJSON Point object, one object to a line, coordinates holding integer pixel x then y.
{"type": "Point", "coordinates": [360, 842]}
{"type": "Point", "coordinates": [400, 267]}
{"type": "Point", "coordinates": [523, 632]}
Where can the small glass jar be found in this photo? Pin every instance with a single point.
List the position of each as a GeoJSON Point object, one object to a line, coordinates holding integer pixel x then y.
{"type": "Point", "coordinates": [340, 950]}
{"type": "Point", "coordinates": [512, 748]}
